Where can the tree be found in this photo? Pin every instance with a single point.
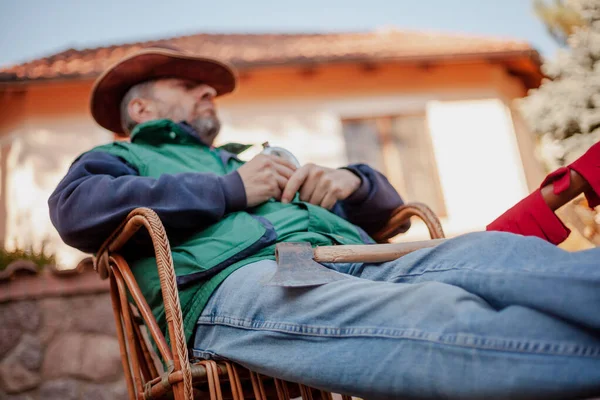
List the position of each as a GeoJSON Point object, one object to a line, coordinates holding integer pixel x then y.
{"type": "Point", "coordinates": [560, 19]}
{"type": "Point", "coordinates": [564, 112]}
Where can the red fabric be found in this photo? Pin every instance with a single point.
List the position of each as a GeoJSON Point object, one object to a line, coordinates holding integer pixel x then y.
{"type": "Point", "coordinates": [588, 166]}
{"type": "Point", "coordinates": [532, 217]}
{"type": "Point", "coordinates": [561, 178]}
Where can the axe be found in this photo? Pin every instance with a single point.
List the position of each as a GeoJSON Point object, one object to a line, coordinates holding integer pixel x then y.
{"type": "Point", "coordinates": [298, 263]}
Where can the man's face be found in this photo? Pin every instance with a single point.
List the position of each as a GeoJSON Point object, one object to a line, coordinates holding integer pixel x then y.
{"type": "Point", "coordinates": [182, 100]}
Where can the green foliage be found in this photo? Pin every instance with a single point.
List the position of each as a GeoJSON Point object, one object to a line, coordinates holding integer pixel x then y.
{"type": "Point", "coordinates": [38, 257]}
{"type": "Point", "coordinates": [564, 112]}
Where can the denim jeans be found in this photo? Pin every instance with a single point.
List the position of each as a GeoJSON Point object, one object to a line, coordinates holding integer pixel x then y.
{"type": "Point", "coordinates": [482, 316]}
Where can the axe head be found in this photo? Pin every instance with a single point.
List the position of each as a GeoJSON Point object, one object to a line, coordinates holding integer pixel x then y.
{"type": "Point", "coordinates": [296, 267]}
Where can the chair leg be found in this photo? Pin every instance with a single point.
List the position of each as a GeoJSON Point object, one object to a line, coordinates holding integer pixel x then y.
{"type": "Point", "coordinates": [148, 367]}
{"type": "Point", "coordinates": [129, 332]}
{"type": "Point", "coordinates": [116, 305]}
{"type": "Point", "coordinates": [212, 377]}
{"type": "Point", "coordinates": [326, 395]}
{"type": "Point", "coordinates": [306, 392]}
{"type": "Point", "coordinates": [146, 374]}
{"type": "Point", "coordinates": [282, 390]}
{"type": "Point", "coordinates": [234, 382]}
{"type": "Point", "coordinates": [257, 386]}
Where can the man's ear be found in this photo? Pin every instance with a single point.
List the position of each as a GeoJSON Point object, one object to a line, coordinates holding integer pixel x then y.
{"type": "Point", "coordinates": [141, 110]}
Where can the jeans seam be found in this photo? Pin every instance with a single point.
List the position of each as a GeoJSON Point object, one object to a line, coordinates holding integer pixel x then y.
{"type": "Point", "coordinates": [493, 271]}
{"type": "Point", "coordinates": [458, 340]}
{"type": "Point", "coordinates": [202, 354]}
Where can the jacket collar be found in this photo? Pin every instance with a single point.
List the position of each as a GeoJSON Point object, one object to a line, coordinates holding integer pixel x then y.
{"type": "Point", "coordinates": [165, 131]}
{"type": "Point", "coordinates": [162, 131]}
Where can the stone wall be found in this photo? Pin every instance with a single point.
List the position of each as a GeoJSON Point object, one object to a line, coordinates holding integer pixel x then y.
{"type": "Point", "coordinates": [60, 342]}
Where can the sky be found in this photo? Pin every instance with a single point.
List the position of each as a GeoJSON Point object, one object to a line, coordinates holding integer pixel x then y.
{"type": "Point", "coordinates": [31, 29]}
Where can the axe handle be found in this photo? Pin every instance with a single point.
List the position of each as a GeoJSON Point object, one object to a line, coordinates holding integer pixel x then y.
{"type": "Point", "coordinates": [370, 252]}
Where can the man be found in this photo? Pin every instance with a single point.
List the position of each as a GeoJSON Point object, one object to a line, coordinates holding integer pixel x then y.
{"type": "Point", "coordinates": [485, 315]}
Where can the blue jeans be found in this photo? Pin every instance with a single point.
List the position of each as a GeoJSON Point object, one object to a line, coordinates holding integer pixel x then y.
{"type": "Point", "coordinates": [482, 316]}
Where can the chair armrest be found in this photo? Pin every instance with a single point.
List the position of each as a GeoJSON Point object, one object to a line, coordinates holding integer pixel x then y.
{"type": "Point", "coordinates": [402, 215]}
{"type": "Point", "coordinates": [145, 217]}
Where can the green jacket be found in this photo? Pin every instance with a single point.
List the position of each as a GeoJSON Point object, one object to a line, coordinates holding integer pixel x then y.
{"type": "Point", "coordinates": [206, 257]}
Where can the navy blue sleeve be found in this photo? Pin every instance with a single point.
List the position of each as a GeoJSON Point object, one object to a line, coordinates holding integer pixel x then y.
{"type": "Point", "coordinates": [100, 189]}
{"type": "Point", "coordinates": [372, 204]}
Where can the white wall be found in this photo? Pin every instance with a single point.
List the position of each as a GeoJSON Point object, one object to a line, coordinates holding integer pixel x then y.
{"type": "Point", "coordinates": [478, 161]}
{"type": "Point", "coordinates": [474, 146]}
{"type": "Point", "coordinates": [41, 153]}
{"type": "Point", "coordinates": [312, 135]}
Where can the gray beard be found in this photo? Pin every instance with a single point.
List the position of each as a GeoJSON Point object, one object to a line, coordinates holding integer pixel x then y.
{"type": "Point", "coordinates": [207, 128]}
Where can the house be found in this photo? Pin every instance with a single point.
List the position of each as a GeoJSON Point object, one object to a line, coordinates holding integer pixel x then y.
{"type": "Point", "coordinates": [434, 112]}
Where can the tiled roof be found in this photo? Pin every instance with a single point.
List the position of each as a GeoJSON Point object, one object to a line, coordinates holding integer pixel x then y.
{"type": "Point", "coordinates": [255, 50]}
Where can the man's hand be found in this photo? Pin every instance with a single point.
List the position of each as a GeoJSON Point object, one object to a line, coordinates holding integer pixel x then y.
{"type": "Point", "coordinates": [320, 185]}
{"type": "Point", "coordinates": [265, 177]}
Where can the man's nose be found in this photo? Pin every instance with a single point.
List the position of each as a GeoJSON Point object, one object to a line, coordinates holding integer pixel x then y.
{"type": "Point", "coordinates": [205, 92]}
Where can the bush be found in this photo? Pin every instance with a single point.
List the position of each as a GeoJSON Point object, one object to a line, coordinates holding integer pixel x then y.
{"type": "Point", "coordinates": [39, 258]}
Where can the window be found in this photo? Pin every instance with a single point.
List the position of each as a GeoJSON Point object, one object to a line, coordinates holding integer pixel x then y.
{"type": "Point", "coordinates": [400, 147]}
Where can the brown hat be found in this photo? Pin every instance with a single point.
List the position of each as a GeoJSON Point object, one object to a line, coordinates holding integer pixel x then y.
{"type": "Point", "coordinates": [148, 64]}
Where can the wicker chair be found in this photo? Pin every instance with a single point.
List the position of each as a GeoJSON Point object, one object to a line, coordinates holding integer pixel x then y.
{"type": "Point", "coordinates": [187, 378]}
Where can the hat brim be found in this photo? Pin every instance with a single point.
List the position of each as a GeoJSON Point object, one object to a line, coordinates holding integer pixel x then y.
{"type": "Point", "coordinates": [149, 64]}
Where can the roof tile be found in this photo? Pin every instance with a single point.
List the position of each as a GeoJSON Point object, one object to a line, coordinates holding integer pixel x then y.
{"type": "Point", "coordinates": [251, 50]}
